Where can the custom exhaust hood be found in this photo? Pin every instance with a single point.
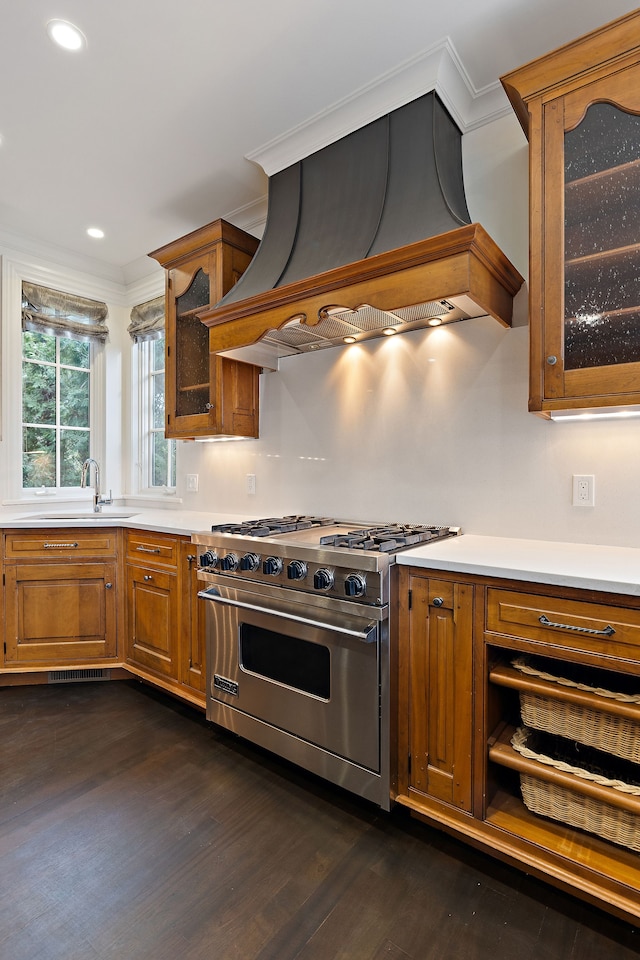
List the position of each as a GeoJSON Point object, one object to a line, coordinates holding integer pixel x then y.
{"type": "Point", "coordinates": [368, 236]}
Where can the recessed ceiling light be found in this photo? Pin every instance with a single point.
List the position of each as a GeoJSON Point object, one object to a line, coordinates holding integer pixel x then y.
{"type": "Point", "coordinates": [96, 233]}
{"type": "Point", "coordinates": [66, 35]}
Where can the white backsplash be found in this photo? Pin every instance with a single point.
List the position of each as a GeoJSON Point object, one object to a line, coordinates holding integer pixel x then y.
{"type": "Point", "coordinates": [430, 426]}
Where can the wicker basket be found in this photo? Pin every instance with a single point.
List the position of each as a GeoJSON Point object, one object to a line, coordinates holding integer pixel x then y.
{"type": "Point", "coordinates": [593, 727]}
{"type": "Point", "coordinates": [560, 803]}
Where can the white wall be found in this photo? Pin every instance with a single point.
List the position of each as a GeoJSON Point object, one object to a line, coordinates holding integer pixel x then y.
{"type": "Point", "coordinates": [432, 426]}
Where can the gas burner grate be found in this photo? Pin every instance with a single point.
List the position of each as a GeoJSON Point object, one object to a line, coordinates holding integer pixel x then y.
{"type": "Point", "coordinates": [386, 539]}
{"type": "Point", "coordinates": [272, 525]}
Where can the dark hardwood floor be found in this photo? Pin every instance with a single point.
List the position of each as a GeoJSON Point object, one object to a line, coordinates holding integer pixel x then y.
{"type": "Point", "coordinates": [131, 829]}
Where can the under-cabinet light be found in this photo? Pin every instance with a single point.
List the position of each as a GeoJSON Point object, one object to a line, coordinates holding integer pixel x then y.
{"type": "Point", "coordinates": [616, 413]}
{"type": "Point", "coordinates": [222, 439]}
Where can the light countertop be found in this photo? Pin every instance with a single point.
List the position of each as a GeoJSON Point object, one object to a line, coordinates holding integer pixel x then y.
{"type": "Point", "coordinates": [587, 566]}
{"type": "Point", "coordinates": [185, 522]}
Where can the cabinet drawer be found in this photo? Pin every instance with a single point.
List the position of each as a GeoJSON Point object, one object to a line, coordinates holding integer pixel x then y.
{"type": "Point", "coordinates": [596, 628]}
{"type": "Point", "coordinates": [55, 543]}
{"type": "Point", "coordinates": [146, 547]}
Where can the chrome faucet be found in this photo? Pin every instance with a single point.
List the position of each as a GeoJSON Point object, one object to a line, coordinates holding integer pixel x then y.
{"type": "Point", "coordinates": [98, 501]}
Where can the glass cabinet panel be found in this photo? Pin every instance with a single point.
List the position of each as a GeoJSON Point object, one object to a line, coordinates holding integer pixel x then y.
{"type": "Point", "coordinates": [192, 349]}
{"type": "Point", "coordinates": [602, 239]}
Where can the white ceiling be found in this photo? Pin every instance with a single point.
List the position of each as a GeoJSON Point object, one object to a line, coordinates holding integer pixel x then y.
{"type": "Point", "coordinates": [146, 132]}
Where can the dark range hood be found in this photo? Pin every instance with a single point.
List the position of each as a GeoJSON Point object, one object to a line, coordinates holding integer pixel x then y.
{"type": "Point", "coordinates": [369, 235]}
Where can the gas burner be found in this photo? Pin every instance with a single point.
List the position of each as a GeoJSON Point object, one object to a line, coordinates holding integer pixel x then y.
{"type": "Point", "coordinates": [273, 525]}
{"type": "Point", "coordinates": [386, 539]}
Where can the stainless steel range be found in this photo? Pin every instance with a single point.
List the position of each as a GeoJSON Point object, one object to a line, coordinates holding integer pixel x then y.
{"type": "Point", "coordinates": [298, 640]}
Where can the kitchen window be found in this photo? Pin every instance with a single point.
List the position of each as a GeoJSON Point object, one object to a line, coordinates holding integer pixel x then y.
{"type": "Point", "coordinates": [60, 332]}
{"type": "Point", "coordinates": [56, 392]}
{"type": "Point", "coordinates": [156, 456]}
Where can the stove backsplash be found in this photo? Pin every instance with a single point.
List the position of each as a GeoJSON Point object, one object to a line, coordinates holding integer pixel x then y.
{"type": "Point", "coordinates": [431, 426]}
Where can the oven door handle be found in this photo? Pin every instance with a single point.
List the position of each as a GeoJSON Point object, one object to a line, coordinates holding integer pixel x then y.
{"type": "Point", "coordinates": [368, 634]}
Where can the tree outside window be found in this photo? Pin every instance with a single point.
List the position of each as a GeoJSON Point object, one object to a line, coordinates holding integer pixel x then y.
{"type": "Point", "coordinates": [162, 453]}
{"type": "Point", "coordinates": [56, 391]}
{"type": "Point", "coordinates": [156, 456]}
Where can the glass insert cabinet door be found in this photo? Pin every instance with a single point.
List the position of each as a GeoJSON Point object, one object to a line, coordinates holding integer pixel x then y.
{"type": "Point", "coordinates": [192, 348]}
{"type": "Point", "coordinates": [592, 242]}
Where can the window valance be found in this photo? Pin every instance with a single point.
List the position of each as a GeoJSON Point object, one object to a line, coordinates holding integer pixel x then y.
{"type": "Point", "coordinates": [63, 314]}
{"type": "Point", "coordinates": [147, 320]}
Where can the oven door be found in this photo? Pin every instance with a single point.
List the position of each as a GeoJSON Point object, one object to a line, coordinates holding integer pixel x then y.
{"type": "Point", "coordinates": [300, 672]}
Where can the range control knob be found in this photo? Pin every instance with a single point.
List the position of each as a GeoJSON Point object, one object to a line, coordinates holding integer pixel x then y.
{"type": "Point", "coordinates": [272, 566]}
{"type": "Point", "coordinates": [296, 570]}
{"type": "Point", "coordinates": [208, 559]}
{"type": "Point", "coordinates": [229, 562]}
{"type": "Point", "coordinates": [250, 561]}
{"type": "Point", "coordinates": [355, 585]}
{"type": "Point", "coordinates": [322, 579]}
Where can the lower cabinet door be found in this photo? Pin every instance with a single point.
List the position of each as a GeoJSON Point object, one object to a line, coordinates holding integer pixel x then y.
{"type": "Point", "coordinates": [59, 613]}
{"type": "Point", "coordinates": [152, 615]}
{"type": "Point", "coordinates": [192, 646]}
{"type": "Point", "coordinates": [439, 665]}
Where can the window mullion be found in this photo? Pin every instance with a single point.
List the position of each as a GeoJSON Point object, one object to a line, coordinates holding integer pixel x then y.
{"type": "Point", "coordinates": [58, 434]}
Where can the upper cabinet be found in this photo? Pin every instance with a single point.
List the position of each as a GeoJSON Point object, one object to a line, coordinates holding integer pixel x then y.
{"type": "Point", "coordinates": [206, 395]}
{"type": "Point", "coordinates": [580, 108]}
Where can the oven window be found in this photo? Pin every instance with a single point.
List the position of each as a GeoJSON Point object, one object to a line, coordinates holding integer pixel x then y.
{"type": "Point", "coordinates": [289, 660]}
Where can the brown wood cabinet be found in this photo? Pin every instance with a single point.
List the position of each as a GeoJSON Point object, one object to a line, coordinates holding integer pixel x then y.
{"type": "Point", "coordinates": [206, 395]}
{"type": "Point", "coordinates": [514, 806]}
{"type": "Point", "coordinates": [164, 632]}
{"type": "Point", "coordinates": [152, 602]}
{"type": "Point", "coordinates": [580, 107]}
{"type": "Point", "coordinates": [193, 642]}
{"type": "Point", "coordinates": [60, 597]}
{"type": "Point", "coordinates": [436, 692]}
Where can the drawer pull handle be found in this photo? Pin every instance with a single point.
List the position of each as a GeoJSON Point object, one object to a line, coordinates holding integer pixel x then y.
{"type": "Point", "coordinates": [60, 546]}
{"type": "Point", "coordinates": [148, 549]}
{"type": "Point", "coordinates": [607, 632]}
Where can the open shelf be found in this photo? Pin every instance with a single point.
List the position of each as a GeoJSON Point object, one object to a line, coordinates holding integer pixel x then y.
{"type": "Point", "coordinates": [507, 812]}
{"type": "Point", "coordinates": [508, 677]}
{"type": "Point", "coordinates": [502, 753]}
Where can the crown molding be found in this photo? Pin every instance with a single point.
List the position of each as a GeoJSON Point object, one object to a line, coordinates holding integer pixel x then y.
{"type": "Point", "coordinates": [14, 243]}
{"type": "Point", "coordinates": [57, 272]}
{"type": "Point", "coordinates": [439, 68]}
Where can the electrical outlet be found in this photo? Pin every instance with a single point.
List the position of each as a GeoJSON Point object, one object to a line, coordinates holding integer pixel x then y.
{"type": "Point", "coordinates": [192, 482]}
{"type": "Point", "coordinates": [251, 483]}
{"type": "Point", "coordinates": [584, 490]}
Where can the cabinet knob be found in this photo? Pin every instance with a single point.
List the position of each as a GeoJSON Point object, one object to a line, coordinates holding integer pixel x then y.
{"type": "Point", "coordinates": [437, 601]}
{"type": "Point", "coordinates": [108, 586]}
{"type": "Point", "coordinates": [552, 360]}
{"type": "Point", "coordinates": [147, 576]}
